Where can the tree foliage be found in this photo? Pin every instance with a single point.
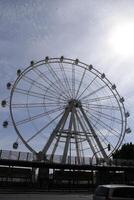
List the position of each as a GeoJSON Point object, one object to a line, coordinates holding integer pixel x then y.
{"type": "Point", "coordinates": [126, 152]}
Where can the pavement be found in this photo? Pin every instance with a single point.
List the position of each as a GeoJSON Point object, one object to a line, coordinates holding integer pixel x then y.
{"type": "Point", "coordinates": [45, 196]}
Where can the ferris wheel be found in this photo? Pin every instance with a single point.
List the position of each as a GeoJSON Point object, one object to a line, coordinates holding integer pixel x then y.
{"type": "Point", "coordinates": [61, 106]}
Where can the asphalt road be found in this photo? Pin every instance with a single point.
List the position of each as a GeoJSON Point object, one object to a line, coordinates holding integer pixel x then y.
{"type": "Point", "coordinates": [44, 196]}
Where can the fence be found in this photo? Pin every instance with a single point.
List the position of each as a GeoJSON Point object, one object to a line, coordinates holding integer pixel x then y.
{"type": "Point", "coordinates": [15, 155]}
{"type": "Point", "coordinates": [28, 156]}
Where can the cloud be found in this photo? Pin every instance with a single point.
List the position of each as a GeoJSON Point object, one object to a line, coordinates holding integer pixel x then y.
{"type": "Point", "coordinates": [31, 30]}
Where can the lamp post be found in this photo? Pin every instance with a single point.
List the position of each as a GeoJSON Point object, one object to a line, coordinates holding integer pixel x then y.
{"type": "Point", "coordinates": [108, 147]}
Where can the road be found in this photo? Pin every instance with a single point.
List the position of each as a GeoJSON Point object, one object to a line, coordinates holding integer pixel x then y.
{"type": "Point", "coordinates": [45, 196]}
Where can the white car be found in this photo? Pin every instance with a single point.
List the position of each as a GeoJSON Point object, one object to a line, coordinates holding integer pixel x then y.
{"type": "Point", "coordinates": [114, 192]}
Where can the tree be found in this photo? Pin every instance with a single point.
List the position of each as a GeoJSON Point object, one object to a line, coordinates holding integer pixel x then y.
{"type": "Point", "coordinates": [126, 152]}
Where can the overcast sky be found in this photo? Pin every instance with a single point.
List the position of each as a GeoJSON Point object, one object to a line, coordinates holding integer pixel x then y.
{"type": "Point", "coordinates": [34, 29]}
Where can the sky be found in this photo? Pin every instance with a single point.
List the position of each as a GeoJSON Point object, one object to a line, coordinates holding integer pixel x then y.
{"type": "Point", "coordinates": [97, 32]}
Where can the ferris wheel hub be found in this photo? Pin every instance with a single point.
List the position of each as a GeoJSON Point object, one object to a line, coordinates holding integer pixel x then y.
{"type": "Point", "coordinates": [74, 103]}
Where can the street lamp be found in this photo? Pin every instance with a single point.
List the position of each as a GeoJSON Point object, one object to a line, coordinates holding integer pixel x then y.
{"type": "Point", "coordinates": [108, 147]}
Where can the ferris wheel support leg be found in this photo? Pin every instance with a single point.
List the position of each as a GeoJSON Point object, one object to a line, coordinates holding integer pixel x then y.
{"type": "Point", "coordinates": [54, 149]}
{"type": "Point", "coordinates": [88, 139]}
{"type": "Point", "coordinates": [57, 128]}
{"type": "Point", "coordinates": [58, 139]}
{"type": "Point", "coordinates": [64, 157]}
{"type": "Point", "coordinates": [95, 136]}
{"type": "Point", "coordinates": [76, 139]}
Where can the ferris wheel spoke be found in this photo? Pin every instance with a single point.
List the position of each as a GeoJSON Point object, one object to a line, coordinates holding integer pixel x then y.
{"type": "Point", "coordinates": [103, 98]}
{"type": "Point", "coordinates": [102, 106]}
{"type": "Point", "coordinates": [73, 80]}
{"type": "Point", "coordinates": [44, 127]}
{"type": "Point", "coordinates": [106, 141]}
{"type": "Point", "coordinates": [100, 122]}
{"type": "Point", "coordinates": [81, 81]}
{"type": "Point", "coordinates": [65, 79]}
{"type": "Point", "coordinates": [29, 119]}
{"type": "Point", "coordinates": [104, 125]}
{"type": "Point", "coordinates": [94, 92]}
{"type": "Point", "coordinates": [53, 98]}
{"type": "Point", "coordinates": [48, 81]}
{"type": "Point", "coordinates": [56, 77]}
{"type": "Point", "coordinates": [33, 105]}
{"type": "Point", "coordinates": [27, 105]}
{"type": "Point", "coordinates": [104, 137]}
{"type": "Point", "coordinates": [54, 104]}
{"type": "Point", "coordinates": [87, 87]}
{"type": "Point", "coordinates": [35, 94]}
{"type": "Point", "coordinates": [40, 86]}
{"type": "Point", "coordinates": [30, 93]}
{"type": "Point", "coordinates": [106, 116]}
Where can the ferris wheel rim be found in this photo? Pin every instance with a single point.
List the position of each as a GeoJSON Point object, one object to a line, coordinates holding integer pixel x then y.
{"type": "Point", "coordinates": [80, 64]}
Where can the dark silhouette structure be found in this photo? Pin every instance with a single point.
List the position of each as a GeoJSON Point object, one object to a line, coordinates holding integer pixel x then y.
{"type": "Point", "coordinates": [57, 176]}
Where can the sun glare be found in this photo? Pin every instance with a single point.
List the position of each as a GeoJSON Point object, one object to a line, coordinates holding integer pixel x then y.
{"type": "Point", "coordinates": [122, 39]}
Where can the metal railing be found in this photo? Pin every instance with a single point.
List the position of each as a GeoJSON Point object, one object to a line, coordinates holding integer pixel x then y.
{"type": "Point", "coordinates": [16, 155]}
{"type": "Point", "coordinates": [28, 156]}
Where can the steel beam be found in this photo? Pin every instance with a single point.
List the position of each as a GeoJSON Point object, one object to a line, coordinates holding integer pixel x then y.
{"type": "Point", "coordinates": [67, 140]}
{"type": "Point", "coordinates": [94, 135]}
{"type": "Point", "coordinates": [52, 136]}
{"type": "Point", "coordinates": [88, 139]}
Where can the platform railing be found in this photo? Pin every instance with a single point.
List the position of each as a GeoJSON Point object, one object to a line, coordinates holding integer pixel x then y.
{"type": "Point", "coordinates": [17, 155]}
{"type": "Point", "coordinates": [28, 156]}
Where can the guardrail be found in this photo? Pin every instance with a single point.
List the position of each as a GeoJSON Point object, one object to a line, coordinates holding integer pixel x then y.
{"type": "Point", "coordinates": [28, 156]}
{"type": "Point", "coordinates": [15, 155]}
